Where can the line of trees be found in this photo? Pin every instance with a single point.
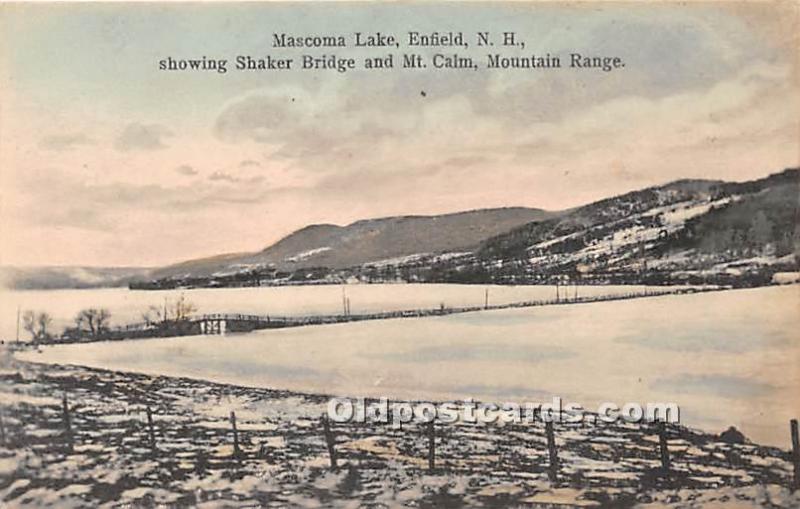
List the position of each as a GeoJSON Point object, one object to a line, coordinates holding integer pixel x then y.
{"type": "Point", "coordinates": [91, 323]}
{"type": "Point", "coordinates": [95, 323]}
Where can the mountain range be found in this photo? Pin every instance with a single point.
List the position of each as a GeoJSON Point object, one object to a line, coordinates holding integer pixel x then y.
{"type": "Point", "coordinates": [684, 231]}
{"type": "Point", "coordinates": [366, 241]}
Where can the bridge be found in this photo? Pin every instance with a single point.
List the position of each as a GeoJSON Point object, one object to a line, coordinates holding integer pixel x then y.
{"type": "Point", "coordinates": [221, 323]}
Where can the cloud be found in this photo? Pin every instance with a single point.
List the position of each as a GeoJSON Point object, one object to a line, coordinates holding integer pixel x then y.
{"type": "Point", "coordinates": [138, 136]}
{"type": "Point", "coordinates": [60, 142]}
{"type": "Point", "coordinates": [221, 176]}
{"type": "Point", "coordinates": [330, 122]}
{"type": "Point", "coordinates": [80, 216]}
{"type": "Point", "coordinates": [329, 132]}
{"type": "Point", "coordinates": [249, 163]}
{"type": "Point", "coordinates": [461, 153]}
{"type": "Point", "coordinates": [272, 117]}
{"type": "Point", "coordinates": [187, 170]}
{"type": "Point", "coordinates": [724, 386]}
{"type": "Point", "coordinates": [85, 204]}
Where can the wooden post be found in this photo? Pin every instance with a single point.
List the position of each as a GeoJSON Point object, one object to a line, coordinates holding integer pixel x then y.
{"type": "Point", "coordinates": [67, 423]}
{"type": "Point", "coordinates": [486, 300]}
{"type": "Point", "coordinates": [236, 451]}
{"type": "Point", "coordinates": [152, 431]}
{"type": "Point", "coordinates": [330, 440]}
{"type": "Point", "coordinates": [2, 430]}
{"type": "Point", "coordinates": [795, 454]}
{"type": "Point", "coordinates": [431, 445]}
{"type": "Point", "coordinates": [662, 445]}
{"type": "Point", "coordinates": [551, 451]}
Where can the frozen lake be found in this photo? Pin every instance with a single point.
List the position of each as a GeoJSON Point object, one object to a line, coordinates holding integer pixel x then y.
{"type": "Point", "coordinates": [126, 306]}
{"type": "Point", "coordinates": [727, 358]}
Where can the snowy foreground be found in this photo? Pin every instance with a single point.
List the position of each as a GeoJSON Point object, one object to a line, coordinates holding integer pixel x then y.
{"type": "Point", "coordinates": [284, 459]}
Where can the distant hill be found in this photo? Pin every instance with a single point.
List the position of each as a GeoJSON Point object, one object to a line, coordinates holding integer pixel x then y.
{"type": "Point", "coordinates": [687, 231]}
{"type": "Point", "coordinates": [366, 241]}
{"type": "Point", "coordinates": [696, 228]}
{"type": "Point", "coordinates": [51, 278]}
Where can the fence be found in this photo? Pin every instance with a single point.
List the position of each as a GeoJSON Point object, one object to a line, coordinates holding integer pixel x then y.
{"type": "Point", "coordinates": [429, 439]}
{"type": "Point", "coordinates": [123, 432]}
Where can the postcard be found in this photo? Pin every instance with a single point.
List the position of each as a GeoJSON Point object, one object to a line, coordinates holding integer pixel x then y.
{"type": "Point", "coordinates": [399, 254]}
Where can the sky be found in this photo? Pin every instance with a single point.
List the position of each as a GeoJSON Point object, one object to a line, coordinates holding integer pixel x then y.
{"type": "Point", "coordinates": [107, 161]}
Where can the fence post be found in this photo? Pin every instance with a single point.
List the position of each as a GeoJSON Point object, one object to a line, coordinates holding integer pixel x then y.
{"type": "Point", "coordinates": [552, 452]}
{"type": "Point", "coordinates": [236, 452]}
{"type": "Point", "coordinates": [2, 429]}
{"type": "Point", "coordinates": [67, 423]}
{"type": "Point", "coordinates": [152, 431]}
{"type": "Point", "coordinates": [662, 445]}
{"type": "Point", "coordinates": [431, 445]}
{"type": "Point", "coordinates": [330, 441]}
{"type": "Point", "coordinates": [795, 454]}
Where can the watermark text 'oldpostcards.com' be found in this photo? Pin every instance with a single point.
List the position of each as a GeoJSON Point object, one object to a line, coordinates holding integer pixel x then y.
{"type": "Point", "coordinates": [384, 411]}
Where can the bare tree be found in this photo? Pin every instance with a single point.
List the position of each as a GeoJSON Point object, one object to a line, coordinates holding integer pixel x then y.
{"type": "Point", "coordinates": [37, 325]}
{"type": "Point", "coordinates": [179, 312]}
{"type": "Point", "coordinates": [29, 323]}
{"type": "Point", "coordinates": [45, 321]}
{"type": "Point", "coordinates": [93, 321]}
{"type": "Point", "coordinates": [183, 309]}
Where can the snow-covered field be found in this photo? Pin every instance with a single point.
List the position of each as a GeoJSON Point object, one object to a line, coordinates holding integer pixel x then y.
{"type": "Point", "coordinates": [283, 460]}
